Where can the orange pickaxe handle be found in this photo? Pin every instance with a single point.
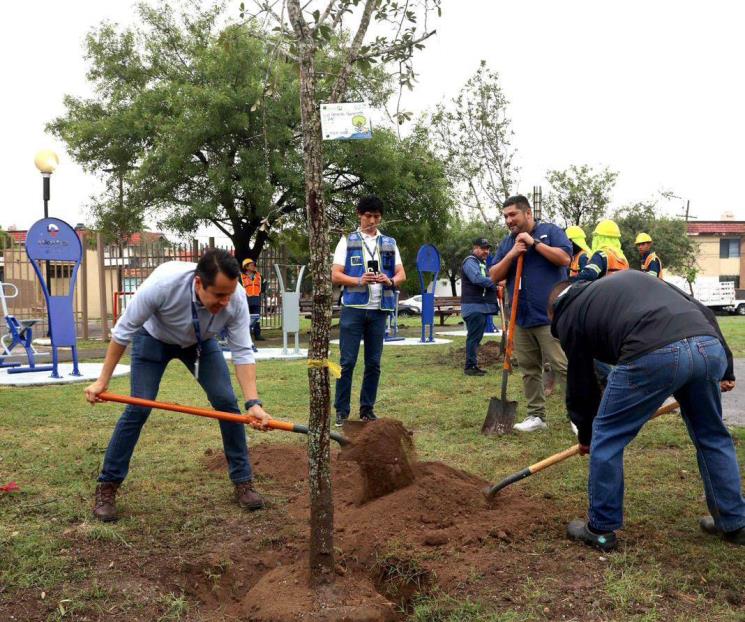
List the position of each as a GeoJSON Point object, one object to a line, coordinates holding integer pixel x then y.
{"type": "Point", "coordinates": [273, 424]}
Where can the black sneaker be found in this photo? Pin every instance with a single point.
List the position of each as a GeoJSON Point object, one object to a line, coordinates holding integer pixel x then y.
{"type": "Point", "coordinates": [259, 338]}
{"type": "Point", "coordinates": [367, 415]}
{"type": "Point", "coordinates": [340, 419]}
{"type": "Point", "coordinates": [734, 537]}
{"type": "Point", "coordinates": [578, 530]}
{"type": "Point", "coordinates": [474, 371]}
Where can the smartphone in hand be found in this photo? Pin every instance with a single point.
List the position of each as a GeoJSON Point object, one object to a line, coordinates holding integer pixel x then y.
{"type": "Point", "coordinates": [372, 266]}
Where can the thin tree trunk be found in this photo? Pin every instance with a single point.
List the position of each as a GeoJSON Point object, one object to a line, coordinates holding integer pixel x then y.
{"type": "Point", "coordinates": [321, 501]}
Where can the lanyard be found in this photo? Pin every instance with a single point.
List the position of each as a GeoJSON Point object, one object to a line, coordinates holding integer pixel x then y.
{"type": "Point", "coordinates": [198, 335]}
{"type": "Point", "coordinates": [371, 253]}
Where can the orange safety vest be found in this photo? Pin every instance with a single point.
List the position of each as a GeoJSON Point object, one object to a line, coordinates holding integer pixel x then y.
{"type": "Point", "coordinates": [252, 285]}
{"type": "Point", "coordinates": [650, 258]}
{"type": "Point", "coordinates": [574, 266]}
{"type": "Point", "coordinates": [616, 263]}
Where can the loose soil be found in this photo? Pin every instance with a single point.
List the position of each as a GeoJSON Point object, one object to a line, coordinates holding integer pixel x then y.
{"type": "Point", "coordinates": [403, 527]}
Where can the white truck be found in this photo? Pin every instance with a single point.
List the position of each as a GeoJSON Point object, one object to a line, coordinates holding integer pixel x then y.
{"type": "Point", "coordinates": [710, 291]}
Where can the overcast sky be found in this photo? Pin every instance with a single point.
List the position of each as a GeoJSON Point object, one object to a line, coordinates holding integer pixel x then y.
{"type": "Point", "coordinates": [654, 90]}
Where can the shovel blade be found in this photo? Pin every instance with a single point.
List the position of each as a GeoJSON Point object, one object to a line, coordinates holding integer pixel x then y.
{"type": "Point", "coordinates": [500, 417]}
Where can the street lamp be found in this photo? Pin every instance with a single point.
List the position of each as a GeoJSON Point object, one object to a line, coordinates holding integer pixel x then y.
{"type": "Point", "coordinates": [46, 161]}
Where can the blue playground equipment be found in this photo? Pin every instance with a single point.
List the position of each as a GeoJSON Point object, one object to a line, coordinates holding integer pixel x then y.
{"type": "Point", "coordinates": [53, 240]}
{"type": "Point", "coordinates": [19, 333]}
{"type": "Point", "coordinates": [428, 262]}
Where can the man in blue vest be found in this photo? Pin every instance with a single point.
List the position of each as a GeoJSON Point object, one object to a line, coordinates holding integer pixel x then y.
{"type": "Point", "coordinates": [368, 266]}
{"type": "Point", "coordinates": [478, 300]}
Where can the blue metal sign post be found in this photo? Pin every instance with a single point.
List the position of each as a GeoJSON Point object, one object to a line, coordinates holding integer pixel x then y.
{"type": "Point", "coordinates": [428, 262]}
{"type": "Point", "coordinates": [53, 240]}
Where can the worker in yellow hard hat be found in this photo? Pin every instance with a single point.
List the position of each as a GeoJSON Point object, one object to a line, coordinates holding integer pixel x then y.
{"type": "Point", "coordinates": [580, 248]}
{"type": "Point", "coordinates": [607, 255]}
{"type": "Point", "coordinates": [651, 263]}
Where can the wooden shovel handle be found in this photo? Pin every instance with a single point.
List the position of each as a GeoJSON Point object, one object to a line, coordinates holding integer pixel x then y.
{"type": "Point", "coordinates": [513, 314]}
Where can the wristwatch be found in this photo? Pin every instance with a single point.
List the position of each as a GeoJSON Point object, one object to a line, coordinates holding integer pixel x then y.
{"type": "Point", "coordinates": [536, 242]}
{"type": "Point", "coordinates": [251, 403]}
{"type": "Point", "coordinates": [393, 283]}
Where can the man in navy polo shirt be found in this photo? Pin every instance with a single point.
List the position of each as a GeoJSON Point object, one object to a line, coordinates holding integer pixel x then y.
{"type": "Point", "coordinates": [548, 253]}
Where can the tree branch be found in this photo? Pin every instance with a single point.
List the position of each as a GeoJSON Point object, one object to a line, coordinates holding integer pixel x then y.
{"type": "Point", "coordinates": [359, 37]}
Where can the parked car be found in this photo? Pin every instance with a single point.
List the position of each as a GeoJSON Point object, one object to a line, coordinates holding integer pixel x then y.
{"type": "Point", "coordinates": [410, 306]}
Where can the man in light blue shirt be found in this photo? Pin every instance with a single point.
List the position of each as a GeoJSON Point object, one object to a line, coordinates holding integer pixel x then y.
{"type": "Point", "coordinates": [176, 314]}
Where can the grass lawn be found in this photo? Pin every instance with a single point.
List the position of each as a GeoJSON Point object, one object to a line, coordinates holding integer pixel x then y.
{"type": "Point", "coordinates": [56, 564]}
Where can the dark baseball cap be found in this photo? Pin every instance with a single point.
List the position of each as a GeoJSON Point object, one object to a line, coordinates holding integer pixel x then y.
{"type": "Point", "coordinates": [482, 242]}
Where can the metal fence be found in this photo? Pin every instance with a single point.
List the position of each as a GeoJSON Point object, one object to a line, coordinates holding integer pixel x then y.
{"type": "Point", "coordinates": [108, 277]}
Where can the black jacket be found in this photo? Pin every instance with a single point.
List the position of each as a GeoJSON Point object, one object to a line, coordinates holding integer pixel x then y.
{"type": "Point", "coordinates": [617, 319]}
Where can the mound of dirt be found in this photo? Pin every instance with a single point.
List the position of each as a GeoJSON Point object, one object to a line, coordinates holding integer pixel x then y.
{"type": "Point", "coordinates": [384, 452]}
{"type": "Point", "coordinates": [431, 529]}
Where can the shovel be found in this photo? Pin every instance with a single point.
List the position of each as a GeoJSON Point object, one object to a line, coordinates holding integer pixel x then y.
{"type": "Point", "coordinates": [490, 491]}
{"type": "Point", "coordinates": [273, 424]}
{"type": "Point", "coordinates": [500, 417]}
{"type": "Point", "coordinates": [502, 306]}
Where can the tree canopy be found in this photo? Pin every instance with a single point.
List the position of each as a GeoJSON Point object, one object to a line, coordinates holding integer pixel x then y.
{"type": "Point", "coordinates": [579, 195]}
{"type": "Point", "coordinates": [473, 135]}
{"type": "Point", "coordinates": [195, 123]}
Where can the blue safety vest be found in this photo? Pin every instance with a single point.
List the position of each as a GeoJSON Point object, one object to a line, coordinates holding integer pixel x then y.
{"type": "Point", "coordinates": [356, 266]}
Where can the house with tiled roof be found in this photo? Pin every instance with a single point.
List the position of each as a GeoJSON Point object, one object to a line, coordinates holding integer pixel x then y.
{"type": "Point", "coordinates": [721, 248]}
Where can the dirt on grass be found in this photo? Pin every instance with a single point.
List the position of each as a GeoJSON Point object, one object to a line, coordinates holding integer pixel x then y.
{"type": "Point", "coordinates": [403, 528]}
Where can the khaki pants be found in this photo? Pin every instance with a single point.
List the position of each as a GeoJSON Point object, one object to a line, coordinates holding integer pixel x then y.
{"type": "Point", "coordinates": [532, 346]}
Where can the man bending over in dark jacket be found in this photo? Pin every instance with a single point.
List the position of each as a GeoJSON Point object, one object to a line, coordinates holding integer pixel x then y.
{"type": "Point", "coordinates": [662, 342]}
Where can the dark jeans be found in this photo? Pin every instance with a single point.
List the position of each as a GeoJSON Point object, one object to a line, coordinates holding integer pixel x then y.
{"type": "Point", "coordinates": [254, 308]}
{"type": "Point", "coordinates": [356, 325]}
{"type": "Point", "coordinates": [690, 370]}
{"type": "Point", "coordinates": [150, 358]}
{"type": "Point", "coordinates": [476, 325]}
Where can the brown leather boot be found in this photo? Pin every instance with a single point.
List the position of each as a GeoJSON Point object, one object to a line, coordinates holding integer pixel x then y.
{"type": "Point", "coordinates": [105, 508]}
{"type": "Point", "coordinates": [247, 497]}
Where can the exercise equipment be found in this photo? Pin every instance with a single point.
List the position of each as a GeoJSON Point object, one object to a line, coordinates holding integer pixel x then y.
{"type": "Point", "coordinates": [53, 240]}
{"type": "Point", "coordinates": [290, 308]}
{"type": "Point", "coordinates": [428, 262]}
{"type": "Point", "coordinates": [391, 325]}
{"type": "Point", "coordinates": [19, 333]}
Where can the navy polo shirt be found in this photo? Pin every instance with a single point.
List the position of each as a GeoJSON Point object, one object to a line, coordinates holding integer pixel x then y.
{"type": "Point", "coordinates": [539, 274]}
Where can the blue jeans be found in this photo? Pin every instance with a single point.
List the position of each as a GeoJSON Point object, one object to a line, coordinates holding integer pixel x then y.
{"type": "Point", "coordinates": [149, 360]}
{"type": "Point", "coordinates": [356, 325]}
{"type": "Point", "coordinates": [690, 370]}
{"type": "Point", "coordinates": [476, 324]}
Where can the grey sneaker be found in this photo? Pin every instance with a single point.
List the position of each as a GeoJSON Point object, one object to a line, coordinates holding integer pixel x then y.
{"type": "Point", "coordinates": [578, 530]}
{"type": "Point", "coordinates": [708, 525]}
{"type": "Point", "coordinates": [340, 419]}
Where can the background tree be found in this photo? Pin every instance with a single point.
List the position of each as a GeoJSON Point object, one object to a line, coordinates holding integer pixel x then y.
{"type": "Point", "coordinates": [195, 121]}
{"type": "Point", "coordinates": [473, 135]}
{"type": "Point", "coordinates": [458, 243]}
{"type": "Point", "coordinates": [677, 250]}
{"type": "Point", "coordinates": [339, 27]}
{"type": "Point", "coordinates": [579, 195]}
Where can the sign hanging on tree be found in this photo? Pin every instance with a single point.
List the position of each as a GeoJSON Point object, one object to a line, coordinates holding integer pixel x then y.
{"type": "Point", "coordinates": [347, 121]}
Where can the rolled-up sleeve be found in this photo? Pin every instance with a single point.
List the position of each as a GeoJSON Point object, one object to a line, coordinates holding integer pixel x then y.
{"type": "Point", "coordinates": [239, 333]}
{"type": "Point", "coordinates": [142, 306]}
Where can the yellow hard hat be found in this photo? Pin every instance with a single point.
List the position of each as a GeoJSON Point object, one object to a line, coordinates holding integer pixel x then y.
{"type": "Point", "coordinates": [607, 228]}
{"type": "Point", "coordinates": [641, 238]}
{"type": "Point", "coordinates": [575, 233]}
{"type": "Point", "coordinates": [247, 261]}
